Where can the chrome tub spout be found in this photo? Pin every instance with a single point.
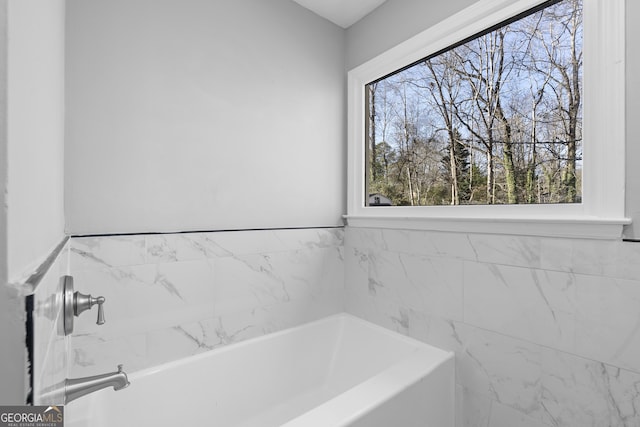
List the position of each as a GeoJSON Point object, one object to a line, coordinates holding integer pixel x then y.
{"type": "Point", "coordinates": [78, 387]}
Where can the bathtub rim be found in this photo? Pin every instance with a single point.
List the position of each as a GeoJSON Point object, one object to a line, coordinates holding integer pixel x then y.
{"type": "Point", "coordinates": [404, 374]}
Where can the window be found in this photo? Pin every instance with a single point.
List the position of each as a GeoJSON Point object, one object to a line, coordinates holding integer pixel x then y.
{"type": "Point", "coordinates": [498, 120]}
{"type": "Point", "coordinates": [494, 120]}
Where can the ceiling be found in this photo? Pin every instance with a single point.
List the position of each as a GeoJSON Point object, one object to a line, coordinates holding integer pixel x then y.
{"type": "Point", "coordinates": [341, 12]}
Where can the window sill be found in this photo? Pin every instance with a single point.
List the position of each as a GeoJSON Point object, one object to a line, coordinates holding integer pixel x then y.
{"type": "Point", "coordinates": [577, 228]}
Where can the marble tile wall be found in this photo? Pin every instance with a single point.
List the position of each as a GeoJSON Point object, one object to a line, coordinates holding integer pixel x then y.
{"type": "Point", "coordinates": [546, 331]}
{"type": "Point", "coordinates": [50, 346]}
{"type": "Point", "coordinates": [169, 296]}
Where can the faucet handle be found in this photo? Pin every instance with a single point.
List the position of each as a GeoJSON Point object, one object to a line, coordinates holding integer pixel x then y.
{"type": "Point", "coordinates": [82, 302]}
{"type": "Point", "coordinates": [100, 320]}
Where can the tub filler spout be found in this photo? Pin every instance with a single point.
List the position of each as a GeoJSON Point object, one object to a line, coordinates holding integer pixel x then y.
{"type": "Point", "coordinates": [78, 387]}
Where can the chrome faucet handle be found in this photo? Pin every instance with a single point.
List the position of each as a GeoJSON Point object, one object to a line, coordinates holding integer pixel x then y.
{"type": "Point", "coordinates": [82, 302]}
{"type": "Point", "coordinates": [100, 320]}
{"type": "Point", "coordinates": [74, 303]}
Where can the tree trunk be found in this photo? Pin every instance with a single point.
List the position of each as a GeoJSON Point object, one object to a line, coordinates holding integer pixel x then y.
{"type": "Point", "coordinates": [491, 194]}
{"type": "Point", "coordinates": [372, 130]}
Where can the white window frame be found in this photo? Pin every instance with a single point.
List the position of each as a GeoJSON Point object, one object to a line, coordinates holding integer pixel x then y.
{"type": "Point", "coordinates": [602, 212]}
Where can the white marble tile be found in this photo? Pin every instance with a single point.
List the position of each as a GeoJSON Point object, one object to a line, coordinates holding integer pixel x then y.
{"type": "Point", "coordinates": [445, 334]}
{"type": "Point", "coordinates": [491, 368]}
{"type": "Point", "coordinates": [165, 248]}
{"type": "Point", "coordinates": [238, 243]}
{"type": "Point", "coordinates": [191, 281]}
{"type": "Point", "coordinates": [389, 280]}
{"type": "Point", "coordinates": [556, 254]}
{"type": "Point", "coordinates": [608, 320]}
{"type": "Point", "coordinates": [286, 315]}
{"type": "Point", "coordinates": [507, 250]}
{"type": "Point", "coordinates": [214, 286]}
{"type": "Point", "coordinates": [247, 242]}
{"type": "Point", "coordinates": [437, 331]}
{"type": "Point", "coordinates": [94, 355]}
{"type": "Point", "coordinates": [124, 290]}
{"type": "Point", "coordinates": [472, 410]}
{"type": "Point", "coordinates": [513, 382]}
{"type": "Point", "coordinates": [522, 325]}
{"type": "Point", "coordinates": [405, 241]}
{"type": "Point", "coordinates": [581, 256]}
{"type": "Point", "coordinates": [311, 238]}
{"type": "Point", "coordinates": [535, 385]}
{"type": "Point", "coordinates": [107, 251]}
{"type": "Point", "coordinates": [51, 373]}
{"type": "Point", "coordinates": [454, 245]}
{"type": "Point", "coordinates": [416, 242]}
{"type": "Point", "coordinates": [196, 337]}
{"type": "Point", "coordinates": [80, 340]}
{"type": "Point", "coordinates": [263, 320]}
{"type": "Point", "coordinates": [430, 285]}
{"type": "Point", "coordinates": [364, 238]}
{"type": "Point", "coordinates": [596, 257]}
{"type": "Point", "coordinates": [248, 281]}
{"type": "Point", "coordinates": [440, 283]}
{"type": "Point", "coordinates": [205, 245]}
{"type": "Point", "coordinates": [529, 304]}
{"type": "Point", "coordinates": [299, 272]}
{"type": "Point", "coordinates": [433, 243]}
{"type": "Point", "coordinates": [359, 304]}
{"type": "Point", "coordinates": [499, 367]}
{"type": "Point", "coordinates": [334, 267]}
{"type": "Point", "coordinates": [64, 260]}
{"type": "Point", "coordinates": [627, 261]}
{"type": "Point", "coordinates": [388, 314]}
{"type": "Point", "coordinates": [356, 268]}
{"type": "Point", "coordinates": [243, 325]}
{"type": "Point", "coordinates": [145, 297]}
{"type": "Point", "coordinates": [580, 392]}
{"type": "Point", "coordinates": [505, 416]}
{"type": "Point", "coordinates": [104, 356]}
{"type": "Point", "coordinates": [182, 341]}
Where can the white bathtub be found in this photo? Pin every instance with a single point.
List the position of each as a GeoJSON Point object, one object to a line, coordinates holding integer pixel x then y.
{"type": "Point", "coordinates": [338, 371]}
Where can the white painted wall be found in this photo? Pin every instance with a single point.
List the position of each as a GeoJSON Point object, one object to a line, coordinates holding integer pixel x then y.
{"type": "Point", "coordinates": [394, 22]}
{"type": "Point", "coordinates": [12, 368]}
{"type": "Point", "coordinates": [35, 97]}
{"type": "Point", "coordinates": [31, 165]}
{"type": "Point", "coordinates": [200, 115]}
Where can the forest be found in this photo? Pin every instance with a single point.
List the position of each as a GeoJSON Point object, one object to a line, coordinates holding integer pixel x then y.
{"type": "Point", "coordinates": [495, 119]}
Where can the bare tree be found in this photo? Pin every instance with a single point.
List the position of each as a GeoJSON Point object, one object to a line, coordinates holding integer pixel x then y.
{"type": "Point", "coordinates": [444, 86]}
{"type": "Point", "coordinates": [500, 113]}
